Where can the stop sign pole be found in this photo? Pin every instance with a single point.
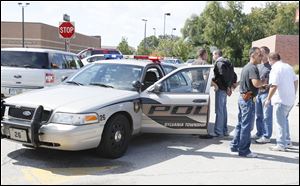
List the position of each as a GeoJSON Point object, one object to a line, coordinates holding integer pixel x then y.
{"type": "Point", "coordinates": [66, 31]}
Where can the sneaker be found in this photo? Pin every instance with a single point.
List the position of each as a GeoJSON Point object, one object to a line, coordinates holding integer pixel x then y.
{"type": "Point", "coordinates": [277, 148]}
{"type": "Point", "coordinates": [263, 140]}
{"type": "Point", "coordinates": [215, 135]}
{"type": "Point", "coordinates": [207, 136]}
{"type": "Point", "coordinates": [255, 136]}
{"type": "Point", "coordinates": [226, 134]}
{"type": "Point", "coordinates": [234, 150]}
{"type": "Point", "coordinates": [290, 145]}
{"type": "Point", "coordinates": [251, 155]}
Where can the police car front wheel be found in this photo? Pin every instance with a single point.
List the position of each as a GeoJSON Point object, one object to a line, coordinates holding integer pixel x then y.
{"type": "Point", "coordinates": [115, 137]}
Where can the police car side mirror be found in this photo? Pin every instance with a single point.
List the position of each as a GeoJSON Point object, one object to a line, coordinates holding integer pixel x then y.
{"type": "Point", "coordinates": [157, 88]}
{"type": "Point", "coordinates": [64, 78]}
{"type": "Point", "coordinates": [137, 85]}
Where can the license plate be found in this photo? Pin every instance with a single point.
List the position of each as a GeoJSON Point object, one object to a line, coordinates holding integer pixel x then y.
{"type": "Point", "coordinates": [14, 91]}
{"type": "Point", "coordinates": [18, 134]}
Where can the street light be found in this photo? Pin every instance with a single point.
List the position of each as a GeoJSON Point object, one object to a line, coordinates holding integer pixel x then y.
{"type": "Point", "coordinates": [166, 14]}
{"type": "Point", "coordinates": [145, 20]}
{"type": "Point", "coordinates": [21, 4]}
{"type": "Point", "coordinates": [154, 31]}
{"type": "Point", "coordinates": [172, 32]}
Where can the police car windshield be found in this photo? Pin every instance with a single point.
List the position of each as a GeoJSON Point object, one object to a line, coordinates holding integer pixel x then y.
{"type": "Point", "coordinates": [119, 76]}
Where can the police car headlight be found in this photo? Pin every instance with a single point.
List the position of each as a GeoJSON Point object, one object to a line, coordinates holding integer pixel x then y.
{"type": "Point", "coordinates": [75, 119]}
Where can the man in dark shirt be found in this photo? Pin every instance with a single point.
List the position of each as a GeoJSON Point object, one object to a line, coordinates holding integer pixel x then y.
{"type": "Point", "coordinates": [249, 84]}
{"type": "Point", "coordinates": [224, 80]}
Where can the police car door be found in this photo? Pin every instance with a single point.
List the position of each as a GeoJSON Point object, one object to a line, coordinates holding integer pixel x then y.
{"type": "Point", "coordinates": [179, 102]}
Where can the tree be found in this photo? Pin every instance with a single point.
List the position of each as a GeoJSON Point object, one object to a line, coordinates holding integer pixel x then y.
{"type": "Point", "coordinates": [233, 37]}
{"type": "Point", "coordinates": [181, 49]}
{"type": "Point", "coordinates": [173, 48]}
{"type": "Point", "coordinates": [151, 44]}
{"type": "Point", "coordinates": [283, 22]}
{"type": "Point", "coordinates": [124, 47]}
{"type": "Point", "coordinates": [164, 48]}
{"type": "Point", "coordinates": [193, 30]}
{"type": "Point", "coordinates": [215, 26]}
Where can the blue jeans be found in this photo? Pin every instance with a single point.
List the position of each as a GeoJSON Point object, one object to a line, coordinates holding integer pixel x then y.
{"type": "Point", "coordinates": [242, 138]}
{"type": "Point", "coordinates": [264, 121]}
{"type": "Point", "coordinates": [282, 124]}
{"type": "Point", "coordinates": [221, 112]}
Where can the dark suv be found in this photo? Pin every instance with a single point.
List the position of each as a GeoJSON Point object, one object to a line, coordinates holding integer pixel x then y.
{"type": "Point", "coordinates": [108, 53]}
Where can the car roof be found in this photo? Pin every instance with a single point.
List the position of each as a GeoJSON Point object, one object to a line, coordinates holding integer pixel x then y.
{"type": "Point", "coordinates": [36, 50]}
{"type": "Point", "coordinates": [102, 49]}
{"type": "Point", "coordinates": [136, 62]}
{"type": "Point", "coordinates": [96, 55]}
{"type": "Point", "coordinates": [170, 58]}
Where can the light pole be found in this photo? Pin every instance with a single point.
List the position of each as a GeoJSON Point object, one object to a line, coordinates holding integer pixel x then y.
{"type": "Point", "coordinates": [21, 4]}
{"type": "Point", "coordinates": [145, 20]}
{"type": "Point", "coordinates": [166, 14]}
{"type": "Point", "coordinates": [172, 32]}
{"type": "Point", "coordinates": [154, 31]}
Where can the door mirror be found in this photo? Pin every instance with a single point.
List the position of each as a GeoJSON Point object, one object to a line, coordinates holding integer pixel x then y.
{"type": "Point", "coordinates": [137, 85]}
{"type": "Point", "coordinates": [157, 88]}
{"type": "Point", "coordinates": [64, 78]}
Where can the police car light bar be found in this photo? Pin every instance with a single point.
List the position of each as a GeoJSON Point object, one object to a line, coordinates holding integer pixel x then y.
{"type": "Point", "coordinates": [154, 59]}
{"type": "Point", "coordinates": [141, 57]}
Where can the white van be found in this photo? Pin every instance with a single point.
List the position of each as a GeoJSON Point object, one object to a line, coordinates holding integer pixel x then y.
{"type": "Point", "coordinates": [25, 69]}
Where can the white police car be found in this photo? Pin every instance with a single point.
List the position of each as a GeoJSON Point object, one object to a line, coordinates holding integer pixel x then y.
{"type": "Point", "coordinates": [105, 103]}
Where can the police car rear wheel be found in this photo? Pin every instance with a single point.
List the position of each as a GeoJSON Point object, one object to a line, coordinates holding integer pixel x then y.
{"type": "Point", "coordinates": [115, 137]}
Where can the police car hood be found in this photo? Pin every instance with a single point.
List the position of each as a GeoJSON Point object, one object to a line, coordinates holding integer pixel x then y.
{"type": "Point", "coordinates": [73, 99]}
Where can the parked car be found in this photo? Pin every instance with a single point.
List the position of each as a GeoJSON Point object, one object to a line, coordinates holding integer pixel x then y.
{"type": "Point", "coordinates": [190, 61]}
{"type": "Point", "coordinates": [107, 102]}
{"type": "Point", "coordinates": [25, 69]}
{"type": "Point", "coordinates": [172, 60]}
{"type": "Point", "coordinates": [109, 53]}
{"type": "Point", "coordinates": [93, 58]}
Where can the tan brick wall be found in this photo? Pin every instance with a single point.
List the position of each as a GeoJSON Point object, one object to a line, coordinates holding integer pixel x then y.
{"type": "Point", "coordinates": [39, 35]}
{"type": "Point", "coordinates": [286, 45]}
{"type": "Point", "coordinates": [288, 48]}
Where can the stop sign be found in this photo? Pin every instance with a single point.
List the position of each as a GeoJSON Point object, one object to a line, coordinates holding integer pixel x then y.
{"type": "Point", "coordinates": [66, 30]}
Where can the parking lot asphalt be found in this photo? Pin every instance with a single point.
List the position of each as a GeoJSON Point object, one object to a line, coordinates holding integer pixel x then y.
{"type": "Point", "coordinates": [159, 159]}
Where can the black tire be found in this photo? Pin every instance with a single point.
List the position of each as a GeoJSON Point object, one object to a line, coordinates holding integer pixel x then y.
{"type": "Point", "coordinates": [115, 137]}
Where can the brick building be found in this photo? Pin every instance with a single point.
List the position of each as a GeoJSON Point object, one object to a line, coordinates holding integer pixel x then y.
{"type": "Point", "coordinates": [286, 45]}
{"type": "Point", "coordinates": [39, 35]}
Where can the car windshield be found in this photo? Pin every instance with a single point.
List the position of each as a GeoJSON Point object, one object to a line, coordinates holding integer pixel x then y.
{"type": "Point", "coordinates": [119, 76]}
{"type": "Point", "coordinates": [25, 59]}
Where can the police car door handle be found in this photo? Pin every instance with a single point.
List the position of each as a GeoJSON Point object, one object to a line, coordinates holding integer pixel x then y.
{"type": "Point", "coordinates": [199, 101]}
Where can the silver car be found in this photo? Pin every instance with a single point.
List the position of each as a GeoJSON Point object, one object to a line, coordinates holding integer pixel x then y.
{"type": "Point", "coordinates": [26, 69]}
{"type": "Point", "coordinates": [107, 102]}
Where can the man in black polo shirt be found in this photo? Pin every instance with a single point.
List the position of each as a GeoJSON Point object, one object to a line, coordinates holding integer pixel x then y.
{"type": "Point", "coordinates": [249, 84]}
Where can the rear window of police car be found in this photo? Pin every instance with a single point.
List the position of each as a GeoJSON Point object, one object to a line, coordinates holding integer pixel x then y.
{"type": "Point", "coordinates": [25, 59]}
{"type": "Point", "coordinates": [105, 52]}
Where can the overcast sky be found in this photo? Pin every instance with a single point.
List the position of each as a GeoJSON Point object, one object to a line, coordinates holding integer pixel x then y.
{"type": "Point", "coordinates": [111, 19]}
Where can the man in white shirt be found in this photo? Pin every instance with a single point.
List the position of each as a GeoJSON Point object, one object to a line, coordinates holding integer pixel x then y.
{"type": "Point", "coordinates": [282, 95]}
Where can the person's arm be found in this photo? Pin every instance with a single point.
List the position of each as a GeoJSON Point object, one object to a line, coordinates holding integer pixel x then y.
{"type": "Point", "coordinates": [272, 91]}
{"type": "Point", "coordinates": [214, 85]}
{"type": "Point", "coordinates": [255, 78]}
{"type": "Point", "coordinates": [296, 86]}
{"type": "Point", "coordinates": [257, 83]}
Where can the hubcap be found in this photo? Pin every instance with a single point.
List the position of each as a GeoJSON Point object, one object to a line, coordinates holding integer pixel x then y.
{"type": "Point", "coordinates": [118, 136]}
